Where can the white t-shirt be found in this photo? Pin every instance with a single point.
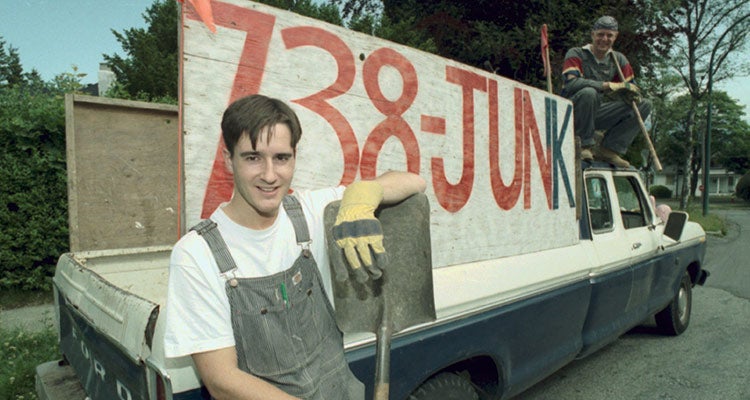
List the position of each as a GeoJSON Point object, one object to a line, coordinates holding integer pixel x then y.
{"type": "Point", "coordinates": [197, 312]}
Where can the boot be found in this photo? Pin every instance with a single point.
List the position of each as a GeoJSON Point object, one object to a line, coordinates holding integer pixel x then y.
{"type": "Point", "coordinates": [587, 154]}
{"type": "Point", "coordinates": [607, 155]}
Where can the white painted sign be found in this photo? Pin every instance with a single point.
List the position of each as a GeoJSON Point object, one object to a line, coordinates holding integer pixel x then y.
{"type": "Point", "coordinates": [497, 154]}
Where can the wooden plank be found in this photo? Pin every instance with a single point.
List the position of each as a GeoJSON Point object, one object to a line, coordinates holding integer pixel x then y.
{"type": "Point", "coordinates": [498, 155]}
{"type": "Point", "coordinates": [122, 173]}
{"type": "Point", "coordinates": [70, 145]}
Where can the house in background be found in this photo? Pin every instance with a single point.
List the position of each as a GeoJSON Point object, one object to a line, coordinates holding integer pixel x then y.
{"type": "Point", "coordinates": [721, 181]}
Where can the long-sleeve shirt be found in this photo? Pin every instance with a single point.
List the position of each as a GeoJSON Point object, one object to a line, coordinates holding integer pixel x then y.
{"type": "Point", "coordinates": [582, 69]}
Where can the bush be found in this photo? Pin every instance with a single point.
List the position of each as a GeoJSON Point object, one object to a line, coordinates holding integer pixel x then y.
{"type": "Point", "coordinates": [743, 187]}
{"type": "Point", "coordinates": [33, 202]}
{"type": "Point", "coordinates": [660, 192]}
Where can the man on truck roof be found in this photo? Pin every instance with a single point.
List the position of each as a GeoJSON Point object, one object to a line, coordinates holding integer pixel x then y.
{"type": "Point", "coordinates": [589, 73]}
{"type": "Point", "coordinates": [249, 289]}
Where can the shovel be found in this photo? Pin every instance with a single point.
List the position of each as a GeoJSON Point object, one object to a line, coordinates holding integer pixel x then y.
{"type": "Point", "coordinates": [403, 296]}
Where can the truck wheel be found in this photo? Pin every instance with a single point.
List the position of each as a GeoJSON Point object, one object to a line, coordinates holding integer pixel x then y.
{"type": "Point", "coordinates": [675, 317]}
{"type": "Point", "coordinates": [445, 386]}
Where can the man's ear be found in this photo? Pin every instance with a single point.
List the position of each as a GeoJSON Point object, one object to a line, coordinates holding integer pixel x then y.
{"type": "Point", "coordinates": [227, 159]}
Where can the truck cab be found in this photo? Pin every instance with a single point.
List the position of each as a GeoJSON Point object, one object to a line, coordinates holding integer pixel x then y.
{"type": "Point", "coordinates": [621, 219]}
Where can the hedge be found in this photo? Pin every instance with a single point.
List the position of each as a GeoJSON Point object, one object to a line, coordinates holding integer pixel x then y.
{"type": "Point", "coordinates": [660, 192]}
{"type": "Point", "coordinates": [33, 202]}
{"type": "Point", "coordinates": [743, 187]}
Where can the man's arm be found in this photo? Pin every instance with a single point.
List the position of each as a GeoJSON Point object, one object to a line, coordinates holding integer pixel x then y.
{"type": "Point", "coordinates": [574, 83]}
{"type": "Point", "coordinates": [356, 229]}
{"type": "Point", "coordinates": [398, 185]}
{"type": "Point", "coordinates": [573, 79]}
{"type": "Point", "coordinates": [573, 76]}
{"type": "Point", "coordinates": [219, 372]}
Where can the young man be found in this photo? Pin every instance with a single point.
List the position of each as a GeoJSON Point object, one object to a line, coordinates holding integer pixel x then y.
{"type": "Point", "coordinates": [590, 72]}
{"type": "Point", "coordinates": [249, 289]}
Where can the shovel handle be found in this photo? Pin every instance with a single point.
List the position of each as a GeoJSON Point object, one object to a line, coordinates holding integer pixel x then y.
{"type": "Point", "coordinates": [383, 361]}
{"type": "Point", "coordinates": [651, 149]}
{"type": "Point", "coordinates": [637, 112]}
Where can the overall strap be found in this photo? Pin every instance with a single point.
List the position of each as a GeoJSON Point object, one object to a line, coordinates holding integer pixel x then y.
{"type": "Point", "coordinates": [297, 216]}
{"type": "Point", "coordinates": [207, 229]}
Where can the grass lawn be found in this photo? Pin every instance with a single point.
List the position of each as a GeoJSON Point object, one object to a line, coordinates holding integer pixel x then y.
{"type": "Point", "coordinates": [21, 352]}
{"type": "Point", "coordinates": [713, 222]}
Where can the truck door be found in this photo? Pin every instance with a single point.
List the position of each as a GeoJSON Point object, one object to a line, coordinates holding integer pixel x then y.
{"type": "Point", "coordinates": [611, 252]}
{"type": "Point", "coordinates": [636, 217]}
{"type": "Point", "coordinates": [612, 277]}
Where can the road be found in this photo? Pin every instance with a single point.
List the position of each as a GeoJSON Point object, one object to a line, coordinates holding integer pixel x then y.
{"type": "Point", "coordinates": [711, 360]}
{"type": "Point", "coordinates": [728, 258]}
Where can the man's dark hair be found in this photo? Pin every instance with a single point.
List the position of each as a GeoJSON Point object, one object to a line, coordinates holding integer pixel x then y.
{"type": "Point", "coordinates": [251, 115]}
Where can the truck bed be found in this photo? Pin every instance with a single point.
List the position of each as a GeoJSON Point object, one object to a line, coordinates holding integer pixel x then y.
{"type": "Point", "coordinates": [149, 264]}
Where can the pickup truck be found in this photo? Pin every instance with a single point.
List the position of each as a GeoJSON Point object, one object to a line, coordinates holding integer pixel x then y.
{"type": "Point", "coordinates": [503, 324]}
{"type": "Point", "coordinates": [538, 258]}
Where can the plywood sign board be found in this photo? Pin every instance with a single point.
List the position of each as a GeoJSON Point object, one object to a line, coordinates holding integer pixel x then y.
{"type": "Point", "coordinates": [122, 173]}
{"type": "Point", "coordinates": [497, 154]}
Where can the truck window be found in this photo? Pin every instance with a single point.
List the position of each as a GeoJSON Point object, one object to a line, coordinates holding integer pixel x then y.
{"type": "Point", "coordinates": [600, 212]}
{"type": "Point", "coordinates": [632, 203]}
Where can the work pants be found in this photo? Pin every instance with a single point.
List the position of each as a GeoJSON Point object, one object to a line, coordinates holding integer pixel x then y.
{"type": "Point", "coordinates": [594, 112]}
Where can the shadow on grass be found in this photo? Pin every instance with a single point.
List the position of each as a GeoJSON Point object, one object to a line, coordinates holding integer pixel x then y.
{"type": "Point", "coordinates": [14, 298]}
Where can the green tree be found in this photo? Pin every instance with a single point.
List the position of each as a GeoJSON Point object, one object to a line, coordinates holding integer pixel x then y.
{"type": "Point", "coordinates": [33, 216]}
{"type": "Point", "coordinates": [743, 188]}
{"type": "Point", "coordinates": [663, 86]}
{"type": "Point", "coordinates": [504, 37]}
{"type": "Point", "coordinates": [399, 31]}
{"type": "Point", "coordinates": [327, 12]}
{"type": "Point", "coordinates": [707, 36]}
{"type": "Point", "coordinates": [730, 134]}
{"type": "Point", "coordinates": [11, 71]}
{"type": "Point", "coordinates": [149, 71]}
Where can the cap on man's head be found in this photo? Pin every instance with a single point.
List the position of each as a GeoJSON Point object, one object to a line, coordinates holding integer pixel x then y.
{"type": "Point", "coordinates": [605, 22]}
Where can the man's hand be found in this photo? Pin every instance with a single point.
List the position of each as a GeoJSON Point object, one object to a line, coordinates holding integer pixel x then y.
{"type": "Point", "coordinates": [626, 91]}
{"type": "Point", "coordinates": [616, 86]}
{"type": "Point", "coordinates": [356, 231]}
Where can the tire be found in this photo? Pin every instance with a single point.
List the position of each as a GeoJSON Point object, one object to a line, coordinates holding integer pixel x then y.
{"type": "Point", "coordinates": [675, 317]}
{"type": "Point", "coordinates": [445, 386]}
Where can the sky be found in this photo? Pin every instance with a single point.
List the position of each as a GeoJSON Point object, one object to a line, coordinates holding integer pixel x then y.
{"type": "Point", "coordinates": [52, 36]}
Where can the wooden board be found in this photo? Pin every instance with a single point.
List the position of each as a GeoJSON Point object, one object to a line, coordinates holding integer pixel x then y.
{"type": "Point", "coordinates": [122, 173]}
{"type": "Point", "coordinates": [498, 156]}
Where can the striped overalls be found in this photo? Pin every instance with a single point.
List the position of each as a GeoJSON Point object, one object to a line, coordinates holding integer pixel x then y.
{"type": "Point", "coordinates": [284, 326]}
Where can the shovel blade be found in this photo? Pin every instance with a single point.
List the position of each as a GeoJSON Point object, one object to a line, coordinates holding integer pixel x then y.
{"type": "Point", "coordinates": [403, 296]}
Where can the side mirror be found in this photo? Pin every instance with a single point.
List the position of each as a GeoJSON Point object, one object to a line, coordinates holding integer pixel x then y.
{"type": "Point", "coordinates": [675, 224]}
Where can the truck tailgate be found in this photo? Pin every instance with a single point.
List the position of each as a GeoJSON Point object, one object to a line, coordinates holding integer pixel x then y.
{"type": "Point", "coordinates": [108, 304]}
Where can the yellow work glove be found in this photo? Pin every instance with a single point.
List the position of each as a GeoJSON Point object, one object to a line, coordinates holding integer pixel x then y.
{"type": "Point", "coordinates": [357, 231]}
{"type": "Point", "coordinates": [625, 91]}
